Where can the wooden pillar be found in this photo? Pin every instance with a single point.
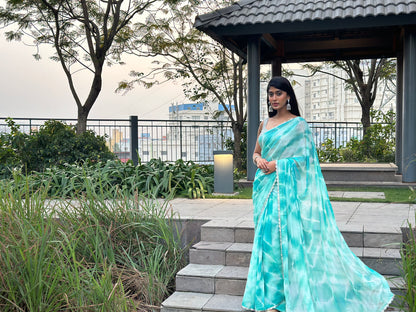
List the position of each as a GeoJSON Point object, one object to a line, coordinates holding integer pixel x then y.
{"type": "Point", "coordinates": [409, 108]}
{"type": "Point", "coordinates": [399, 113]}
{"type": "Point", "coordinates": [276, 67]}
{"type": "Point", "coordinates": [253, 102]}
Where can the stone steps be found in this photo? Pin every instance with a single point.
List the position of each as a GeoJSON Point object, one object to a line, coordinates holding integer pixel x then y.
{"type": "Point", "coordinates": [215, 278]}
{"type": "Point", "coordinates": [243, 232]}
{"type": "Point", "coordinates": [231, 280]}
{"type": "Point", "coordinates": [198, 302]}
{"type": "Point", "coordinates": [382, 260]}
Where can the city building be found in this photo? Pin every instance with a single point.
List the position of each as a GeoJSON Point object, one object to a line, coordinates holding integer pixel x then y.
{"type": "Point", "coordinates": [327, 99]}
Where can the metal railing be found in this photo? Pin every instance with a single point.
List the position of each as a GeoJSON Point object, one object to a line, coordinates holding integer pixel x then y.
{"type": "Point", "coordinates": [170, 140]}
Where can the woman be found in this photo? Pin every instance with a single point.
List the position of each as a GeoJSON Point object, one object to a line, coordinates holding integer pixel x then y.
{"type": "Point", "coordinates": [300, 261]}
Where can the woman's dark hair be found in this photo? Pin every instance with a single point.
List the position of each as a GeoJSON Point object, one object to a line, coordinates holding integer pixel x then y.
{"type": "Point", "coordinates": [283, 84]}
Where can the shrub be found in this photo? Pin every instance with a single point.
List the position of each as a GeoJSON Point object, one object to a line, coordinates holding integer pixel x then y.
{"type": "Point", "coordinates": [55, 144]}
{"type": "Point", "coordinates": [328, 152]}
{"type": "Point", "coordinates": [378, 143]}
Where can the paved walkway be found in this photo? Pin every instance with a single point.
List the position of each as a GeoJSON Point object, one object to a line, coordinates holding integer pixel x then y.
{"type": "Point", "coordinates": [350, 216]}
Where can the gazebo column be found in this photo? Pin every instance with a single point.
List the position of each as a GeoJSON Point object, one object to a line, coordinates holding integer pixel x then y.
{"type": "Point", "coordinates": [253, 102]}
{"type": "Point", "coordinates": [399, 113]}
{"type": "Point", "coordinates": [409, 108]}
{"type": "Point", "coordinates": [276, 67]}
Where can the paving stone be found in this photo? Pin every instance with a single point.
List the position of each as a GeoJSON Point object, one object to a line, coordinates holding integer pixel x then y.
{"type": "Point", "coordinates": [217, 234]}
{"type": "Point", "coordinates": [382, 253]}
{"type": "Point", "coordinates": [244, 235]}
{"type": "Point", "coordinates": [224, 303]}
{"type": "Point", "coordinates": [191, 301]}
{"type": "Point", "coordinates": [202, 270]}
{"type": "Point", "coordinates": [338, 194]}
{"type": "Point", "coordinates": [384, 266]}
{"type": "Point", "coordinates": [214, 257]}
{"type": "Point", "coordinates": [236, 272]}
{"type": "Point", "coordinates": [212, 245]}
{"type": "Point", "coordinates": [389, 240]}
{"type": "Point", "coordinates": [367, 195]}
{"type": "Point", "coordinates": [236, 258]}
{"type": "Point", "coordinates": [354, 239]}
{"type": "Point", "coordinates": [195, 284]}
{"type": "Point", "coordinates": [240, 247]}
{"type": "Point", "coordinates": [228, 286]}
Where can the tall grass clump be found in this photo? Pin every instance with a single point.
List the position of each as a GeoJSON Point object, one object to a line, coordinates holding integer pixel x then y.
{"type": "Point", "coordinates": [97, 250]}
{"type": "Point", "coordinates": [408, 257]}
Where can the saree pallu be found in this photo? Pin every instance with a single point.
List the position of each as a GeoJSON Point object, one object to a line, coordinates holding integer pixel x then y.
{"type": "Point", "coordinates": [300, 261]}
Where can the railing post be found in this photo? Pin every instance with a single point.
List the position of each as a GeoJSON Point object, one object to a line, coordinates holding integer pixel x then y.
{"type": "Point", "coordinates": [335, 135]}
{"type": "Point", "coordinates": [134, 140]}
{"type": "Point", "coordinates": [180, 136]}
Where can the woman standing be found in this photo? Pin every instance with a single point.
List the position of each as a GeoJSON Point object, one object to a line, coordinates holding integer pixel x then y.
{"type": "Point", "coordinates": [300, 261]}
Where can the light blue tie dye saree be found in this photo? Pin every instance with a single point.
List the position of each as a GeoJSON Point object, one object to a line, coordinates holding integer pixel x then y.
{"type": "Point", "coordinates": [300, 261]}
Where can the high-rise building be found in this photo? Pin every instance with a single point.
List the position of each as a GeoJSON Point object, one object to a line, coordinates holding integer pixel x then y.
{"type": "Point", "coordinates": [327, 98]}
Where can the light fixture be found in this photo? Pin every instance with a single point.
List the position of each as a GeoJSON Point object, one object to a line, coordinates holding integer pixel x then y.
{"type": "Point", "coordinates": [223, 172]}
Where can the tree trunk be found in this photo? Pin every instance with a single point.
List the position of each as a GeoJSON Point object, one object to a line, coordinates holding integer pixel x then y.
{"type": "Point", "coordinates": [82, 120]}
{"type": "Point", "coordinates": [365, 118]}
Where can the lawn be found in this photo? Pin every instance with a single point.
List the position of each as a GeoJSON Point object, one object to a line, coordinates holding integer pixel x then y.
{"type": "Point", "coordinates": [392, 194]}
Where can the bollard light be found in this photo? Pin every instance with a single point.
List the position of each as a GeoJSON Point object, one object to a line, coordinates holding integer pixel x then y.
{"type": "Point", "coordinates": [223, 172]}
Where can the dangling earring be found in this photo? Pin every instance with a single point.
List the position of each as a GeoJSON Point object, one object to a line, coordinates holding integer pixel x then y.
{"type": "Point", "coordinates": [288, 106]}
{"type": "Point", "coordinates": [270, 109]}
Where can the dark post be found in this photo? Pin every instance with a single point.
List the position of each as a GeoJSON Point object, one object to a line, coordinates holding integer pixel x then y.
{"type": "Point", "coordinates": [399, 114]}
{"type": "Point", "coordinates": [277, 67]}
{"type": "Point", "coordinates": [253, 109]}
{"type": "Point", "coordinates": [134, 140]}
{"type": "Point", "coordinates": [409, 108]}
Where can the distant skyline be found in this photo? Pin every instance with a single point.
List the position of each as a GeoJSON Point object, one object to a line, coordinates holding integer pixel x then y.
{"type": "Point", "coordinates": [30, 88]}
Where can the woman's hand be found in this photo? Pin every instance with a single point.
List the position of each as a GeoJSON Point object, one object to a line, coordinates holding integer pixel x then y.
{"type": "Point", "coordinates": [261, 163]}
{"type": "Point", "coordinates": [270, 167]}
{"type": "Point", "coordinates": [266, 166]}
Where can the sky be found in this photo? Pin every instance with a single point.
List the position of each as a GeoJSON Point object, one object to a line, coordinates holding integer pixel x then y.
{"type": "Point", "coordinates": [31, 88]}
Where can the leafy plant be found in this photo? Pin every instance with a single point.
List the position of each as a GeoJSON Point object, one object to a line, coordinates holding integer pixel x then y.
{"type": "Point", "coordinates": [86, 253]}
{"type": "Point", "coordinates": [328, 152]}
{"type": "Point", "coordinates": [55, 144]}
{"type": "Point", "coordinates": [378, 143]}
{"type": "Point", "coordinates": [158, 178]}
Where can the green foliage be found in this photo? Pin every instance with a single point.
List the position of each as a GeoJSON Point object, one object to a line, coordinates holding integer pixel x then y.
{"type": "Point", "coordinates": [158, 178]}
{"type": "Point", "coordinates": [328, 152]}
{"type": "Point", "coordinates": [378, 144]}
{"type": "Point", "coordinates": [55, 144]}
{"type": "Point", "coordinates": [408, 257]}
{"type": "Point", "coordinates": [86, 253]}
{"type": "Point", "coordinates": [207, 70]}
{"type": "Point", "coordinates": [9, 143]}
{"type": "Point", "coordinates": [229, 144]}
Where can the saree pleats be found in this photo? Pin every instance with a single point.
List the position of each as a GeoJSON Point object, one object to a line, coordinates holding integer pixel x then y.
{"type": "Point", "coordinates": [300, 261]}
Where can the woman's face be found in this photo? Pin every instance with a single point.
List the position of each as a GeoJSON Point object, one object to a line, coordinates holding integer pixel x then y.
{"type": "Point", "coordinates": [277, 98]}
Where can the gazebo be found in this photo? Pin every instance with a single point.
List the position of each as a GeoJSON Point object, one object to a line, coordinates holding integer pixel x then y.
{"type": "Point", "coordinates": [284, 31]}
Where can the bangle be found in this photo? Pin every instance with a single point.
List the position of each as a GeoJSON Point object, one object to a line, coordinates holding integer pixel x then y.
{"type": "Point", "coordinates": [254, 159]}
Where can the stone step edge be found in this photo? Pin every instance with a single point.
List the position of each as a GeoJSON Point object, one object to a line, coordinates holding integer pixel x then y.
{"type": "Point", "coordinates": [215, 272]}
{"type": "Point", "coordinates": [192, 302]}
{"type": "Point", "coordinates": [367, 252]}
{"type": "Point", "coordinates": [239, 232]}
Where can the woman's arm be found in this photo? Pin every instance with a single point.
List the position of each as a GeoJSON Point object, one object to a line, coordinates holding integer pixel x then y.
{"type": "Point", "coordinates": [257, 159]}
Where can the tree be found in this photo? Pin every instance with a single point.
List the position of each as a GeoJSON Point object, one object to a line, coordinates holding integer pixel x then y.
{"type": "Point", "coordinates": [207, 70]}
{"type": "Point", "coordinates": [85, 34]}
{"type": "Point", "coordinates": [363, 78]}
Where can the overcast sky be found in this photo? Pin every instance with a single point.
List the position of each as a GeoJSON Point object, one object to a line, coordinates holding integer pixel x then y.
{"type": "Point", "coordinates": [30, 88]}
